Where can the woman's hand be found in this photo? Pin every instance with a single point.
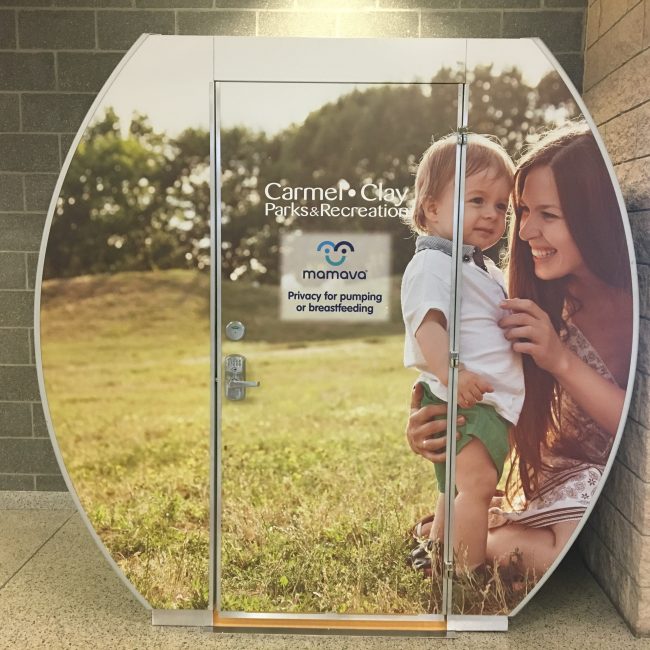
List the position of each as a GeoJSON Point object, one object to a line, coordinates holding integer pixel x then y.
{"type": "Point", "coordinates": [601, 399]}
{"type": "Point", "coordinates": [532, 332]}
{"type": "Point", "coordinates": [422, 429]}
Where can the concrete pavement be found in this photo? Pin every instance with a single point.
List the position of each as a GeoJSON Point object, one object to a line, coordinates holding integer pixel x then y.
{"type": "Point", "coordinates": [58, 591]}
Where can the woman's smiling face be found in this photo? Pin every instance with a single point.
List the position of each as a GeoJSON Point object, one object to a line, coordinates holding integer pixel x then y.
{"type": "Point", "coordinates": [543, 225]}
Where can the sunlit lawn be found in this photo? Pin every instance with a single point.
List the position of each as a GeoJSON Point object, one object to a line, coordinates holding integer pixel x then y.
{"type": "Point", "coordinates": [319, 486]}
{"type": "Point", "coordinates": [127, 376]}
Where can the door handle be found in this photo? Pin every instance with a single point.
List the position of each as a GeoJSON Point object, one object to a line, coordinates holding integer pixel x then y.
{"type": "Point", "coordinates": [235, 384]}
{"type": "Point", "coordinates": [238, 383]}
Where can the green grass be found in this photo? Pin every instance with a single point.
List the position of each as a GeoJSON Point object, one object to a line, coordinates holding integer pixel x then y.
{"type": "Point", "coordinates": [127, 377]}
{"type": "Point", "coordinates": [319, 486]}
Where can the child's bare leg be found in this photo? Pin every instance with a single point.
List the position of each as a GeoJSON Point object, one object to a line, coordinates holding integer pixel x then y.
{"type": "Point", "coordinates": [476, 481]}
{"type": "Point", "coordinates": [438, 525]}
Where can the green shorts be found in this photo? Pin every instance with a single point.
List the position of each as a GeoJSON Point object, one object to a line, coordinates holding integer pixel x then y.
{"type": "Point", "coordinates": [483, 423]}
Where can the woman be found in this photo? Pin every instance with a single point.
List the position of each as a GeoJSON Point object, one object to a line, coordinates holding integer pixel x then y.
{"type": "Point", "coordinates": [569, 273]}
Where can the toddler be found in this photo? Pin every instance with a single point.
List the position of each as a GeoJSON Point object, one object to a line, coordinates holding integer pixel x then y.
{"type": "Point", "coordinates": [490, 379]}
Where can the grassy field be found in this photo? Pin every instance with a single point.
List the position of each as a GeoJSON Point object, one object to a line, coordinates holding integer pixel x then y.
{"type": "Point", "coordinates": [126, 366]}
{"type": "Point", "coordinates": [319, 486]}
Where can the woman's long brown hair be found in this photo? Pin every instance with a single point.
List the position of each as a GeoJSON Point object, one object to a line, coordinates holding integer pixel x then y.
{"type": "Point", "coordinates": [591, 210]}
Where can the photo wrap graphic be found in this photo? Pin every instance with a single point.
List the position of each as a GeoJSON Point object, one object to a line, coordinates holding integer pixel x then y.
{"type": "Point", "coordinates": [335, 276]}
{"type": "Point", "coordinates": [332, 395]}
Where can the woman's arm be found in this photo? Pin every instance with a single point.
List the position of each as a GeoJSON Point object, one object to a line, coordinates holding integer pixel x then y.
{"type": "Point", "coordinates": [599, 398]}
{"type": "Point", "coordinates": [422, 430]}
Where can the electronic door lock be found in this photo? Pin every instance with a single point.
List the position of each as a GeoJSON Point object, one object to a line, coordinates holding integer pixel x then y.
{"type": "Point", "coordinates": [235, 383]}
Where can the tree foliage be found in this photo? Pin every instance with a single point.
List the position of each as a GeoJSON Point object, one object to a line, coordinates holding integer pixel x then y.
{"type": "Point", "coordinates": [143, 201]}
{"type": "Point", "coordinates": [138, 202]}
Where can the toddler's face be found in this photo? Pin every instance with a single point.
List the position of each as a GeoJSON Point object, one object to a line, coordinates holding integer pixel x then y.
{"type": "Point", "coordinates": [486, 203]}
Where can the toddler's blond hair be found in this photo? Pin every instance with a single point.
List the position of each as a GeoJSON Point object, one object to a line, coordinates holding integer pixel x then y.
{"type": "Point", "coordinates": [438, 165]}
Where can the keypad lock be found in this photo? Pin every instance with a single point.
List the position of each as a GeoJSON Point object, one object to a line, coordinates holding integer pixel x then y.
{"type": "Point", "coordinates": [235, 383]}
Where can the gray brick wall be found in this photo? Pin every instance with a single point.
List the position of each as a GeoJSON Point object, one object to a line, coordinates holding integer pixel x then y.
{"type": "Point", "coordinates": [616, 542]}
{"type": "Point", "coordinates": [56, 54]}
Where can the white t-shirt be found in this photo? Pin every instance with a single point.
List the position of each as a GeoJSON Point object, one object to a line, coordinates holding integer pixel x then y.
{"type": "Point", "coordinates": [483, 347]}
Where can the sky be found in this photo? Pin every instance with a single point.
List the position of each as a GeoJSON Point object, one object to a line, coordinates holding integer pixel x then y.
{"type": "Point", "coordinates": [168, 78]}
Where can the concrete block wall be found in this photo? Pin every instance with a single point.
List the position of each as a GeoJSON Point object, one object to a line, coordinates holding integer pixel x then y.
{"type": "Point", "coordinates": [54, 57]}
{"type": "Point", "coordinates": [616, 542]}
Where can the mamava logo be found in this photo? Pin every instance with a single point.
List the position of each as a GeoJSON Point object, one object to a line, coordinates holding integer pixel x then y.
{"type": "Point", "coordinates": [332, 250]}
{"type": "Point", "coordinates": [330, 247]}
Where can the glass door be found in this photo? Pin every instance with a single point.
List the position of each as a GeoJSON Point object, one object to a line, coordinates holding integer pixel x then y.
{"type": "Point", "coordinates": [318, 488]}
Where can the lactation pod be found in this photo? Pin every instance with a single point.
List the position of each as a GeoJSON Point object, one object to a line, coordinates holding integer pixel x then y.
{"type": "Point", "coordinates": [231, 283]}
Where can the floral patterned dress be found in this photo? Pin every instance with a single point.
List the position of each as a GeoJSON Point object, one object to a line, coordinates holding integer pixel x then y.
{"type": "Point", "coordinates": [566, 485]}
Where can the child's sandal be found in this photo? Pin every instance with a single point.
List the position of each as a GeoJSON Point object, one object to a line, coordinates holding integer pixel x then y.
{"type": "Point", "coordinates": [419, 559]}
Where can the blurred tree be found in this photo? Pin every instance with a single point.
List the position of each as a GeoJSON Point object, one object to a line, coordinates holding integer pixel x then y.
{"type": "Point", "coordinates": [247, 159]}
{"type": "Point", "coordinates": [142, 201]}
{"type": "Point", "coordinates": [376, 134]}
{"type": "Point", "coordinates": [555, 100]}
{"type": "Point", "coordinates": [124, 204]}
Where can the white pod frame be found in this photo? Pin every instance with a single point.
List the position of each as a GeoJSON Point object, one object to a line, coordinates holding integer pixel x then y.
{"type": "Point", "coordinates": [322, 60]}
